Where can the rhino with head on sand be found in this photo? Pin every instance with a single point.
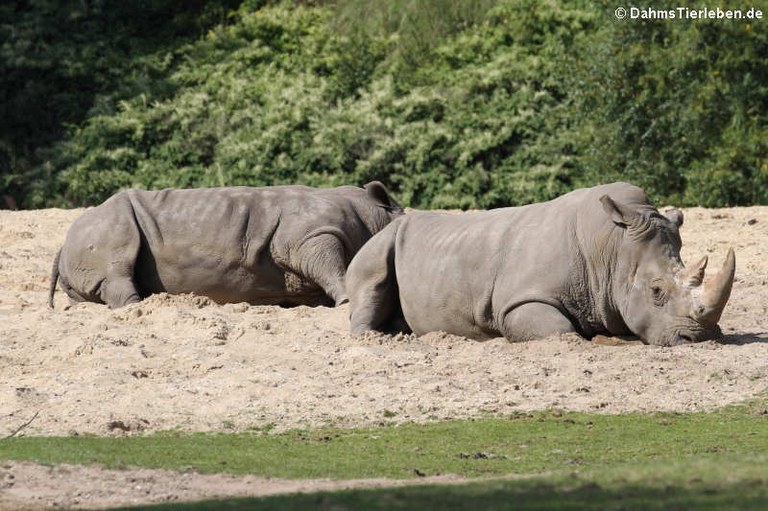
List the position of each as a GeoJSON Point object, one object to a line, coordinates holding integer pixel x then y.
{"type": "Point", "coordinates": [595, 261]}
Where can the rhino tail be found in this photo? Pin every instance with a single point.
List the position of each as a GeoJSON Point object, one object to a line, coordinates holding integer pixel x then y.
{"type": "Point", "coordinates": [54, 279]}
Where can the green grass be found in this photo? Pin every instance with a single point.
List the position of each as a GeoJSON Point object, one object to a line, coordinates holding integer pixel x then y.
{"type": "Point", "coordinates": [524, 444]}
{"type": "Point", "coordinates": [568, 460]}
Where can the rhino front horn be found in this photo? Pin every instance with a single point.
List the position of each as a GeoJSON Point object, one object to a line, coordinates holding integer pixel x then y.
{"type": "Point", "coordinates": [716, 291]}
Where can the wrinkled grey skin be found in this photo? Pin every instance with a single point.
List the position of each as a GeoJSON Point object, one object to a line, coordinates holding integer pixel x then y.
{"type": "Point", "coordinates": [287, 245]}
{"type": "Point", "coordinates": [600, 260]}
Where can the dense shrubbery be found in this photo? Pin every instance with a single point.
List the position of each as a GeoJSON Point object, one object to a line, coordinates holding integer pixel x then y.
{"type": "Point", "coordinates": [453, 104]}
{"type": "Point", "coordinates": [678, 107]}
{"type": "Point", "coordinates": [62, 62]}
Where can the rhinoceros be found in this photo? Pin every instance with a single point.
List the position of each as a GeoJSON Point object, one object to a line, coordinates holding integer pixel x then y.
{"type": "Point", "coordinates": [594, 261]}
{"type": "Point", "coordinates": [285, 245]}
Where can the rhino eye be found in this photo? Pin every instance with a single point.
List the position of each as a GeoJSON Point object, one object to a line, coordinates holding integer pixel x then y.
{"type": "Point", "coordinates": [658, 293]}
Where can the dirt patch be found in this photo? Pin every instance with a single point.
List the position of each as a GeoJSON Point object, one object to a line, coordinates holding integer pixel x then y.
{"type": "Point", "coordinates": [185, 363]}
{"type": "Point", "coordinates": [26, 486]}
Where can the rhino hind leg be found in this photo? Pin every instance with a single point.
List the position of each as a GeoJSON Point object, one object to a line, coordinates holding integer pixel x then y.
{"type": "Point", "coordinates": [372, 285]}
{"type": "Point", "coordinates": [535, 320]}
{"type": "Point", "coordinates": [322, 261]}
{"type": "Point", "coordinates": [371, 311]}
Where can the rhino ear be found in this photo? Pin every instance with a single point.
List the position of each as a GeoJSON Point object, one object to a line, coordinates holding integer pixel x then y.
{"type": "Point", "coordinates": [675, 216]}
{"type": "Point", "coordinates": [620, 215]}
{"type": "Point", "coordinates": [379, 194]}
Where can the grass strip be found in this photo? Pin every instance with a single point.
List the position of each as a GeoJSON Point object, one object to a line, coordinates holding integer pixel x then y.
{"type": "Point", "coordinates": [531, 443]}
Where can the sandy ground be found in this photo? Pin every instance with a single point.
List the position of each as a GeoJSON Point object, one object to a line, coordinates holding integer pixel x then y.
{"type": "Point", "coordinates": [182, 362]}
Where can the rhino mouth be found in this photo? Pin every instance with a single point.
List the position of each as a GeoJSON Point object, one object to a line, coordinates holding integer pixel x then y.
{"type": "Point", "coordinates": [694, 335]}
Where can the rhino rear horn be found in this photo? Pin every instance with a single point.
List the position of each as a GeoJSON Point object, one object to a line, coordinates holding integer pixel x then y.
{"type": "Point", "coordinates": [694, 275]}
{"type": "Point", "coordinates": [717, 290]}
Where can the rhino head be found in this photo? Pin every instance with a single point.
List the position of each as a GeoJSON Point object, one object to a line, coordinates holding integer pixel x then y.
{"type": "Point", "coordinates": [661, 300]}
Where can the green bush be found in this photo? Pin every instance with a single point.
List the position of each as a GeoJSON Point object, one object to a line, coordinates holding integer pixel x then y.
{"type": "Point", "coordinates": [678, 107]}
{"type": "Point", "coordinates": [453, 104]}
{"type": "Point", "coordinates": [64, 62]}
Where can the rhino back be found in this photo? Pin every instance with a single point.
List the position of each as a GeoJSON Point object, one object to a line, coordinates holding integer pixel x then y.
{"type": "Point", "coordinates": [206, 241]}
{"type": "Point", "coordinates": [240, 243]}
{"type": "Point", "coordinates": [445, 269]}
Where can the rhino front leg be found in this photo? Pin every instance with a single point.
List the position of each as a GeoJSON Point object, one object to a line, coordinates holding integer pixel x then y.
{"type": "Point", "coordinates": [535, 320]}
{"type": "Point", "coordinates": [322, 261]}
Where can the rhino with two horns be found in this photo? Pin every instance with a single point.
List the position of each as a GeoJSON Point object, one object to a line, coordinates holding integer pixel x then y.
{"type": "Point", "coordinates": [599, 260]}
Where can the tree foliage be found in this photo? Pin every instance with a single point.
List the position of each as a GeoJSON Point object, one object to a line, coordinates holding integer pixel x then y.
{"type": "Point", "coordinates": [680, 108]}
{"type": "Point", "coordinates": [451, 103]}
